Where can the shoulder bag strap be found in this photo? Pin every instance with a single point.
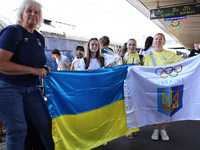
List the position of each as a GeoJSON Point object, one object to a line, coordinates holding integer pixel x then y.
{"type": "Point", "coordinates": [153, 59]}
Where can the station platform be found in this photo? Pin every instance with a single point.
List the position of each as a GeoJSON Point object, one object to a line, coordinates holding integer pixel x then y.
{"type": "Point", "coordinates": [184, 135]}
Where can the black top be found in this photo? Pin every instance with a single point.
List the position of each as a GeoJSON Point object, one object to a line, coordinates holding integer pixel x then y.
{"type": "Point", "coordinates": [194, 52]}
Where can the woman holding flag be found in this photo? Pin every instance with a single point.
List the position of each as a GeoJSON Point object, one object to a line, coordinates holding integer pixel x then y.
{"type": "Point", "coordinates": [22, 60]}
{"type": "Point", "coordinates": [159, 57]}
{"type": "Point", "coordinates": [131, 57]}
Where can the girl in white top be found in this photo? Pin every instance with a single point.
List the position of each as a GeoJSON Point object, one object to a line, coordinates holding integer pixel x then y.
{"type": "Point", "coordinates": [94, 60]}
{"type": "Point", "coordinates": [147, 47]}
{"type": "Point", "coordinates": [76, 61]}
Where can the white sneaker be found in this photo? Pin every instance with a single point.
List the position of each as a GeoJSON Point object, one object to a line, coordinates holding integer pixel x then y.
{"type": "Point", "coordinates": [164, 135]}
{"type": "Point", "coordinates": [105, 144]}
{"type": "Point", "coordinates": [155, 134]}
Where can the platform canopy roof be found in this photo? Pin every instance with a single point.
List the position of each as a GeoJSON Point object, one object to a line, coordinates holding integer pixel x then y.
{"type": "Point", "coordinates": [188, 35]}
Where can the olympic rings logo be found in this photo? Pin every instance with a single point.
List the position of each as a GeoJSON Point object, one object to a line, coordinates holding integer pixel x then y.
{"type": "Point", "coordinates": [169, 71]}
{"type": "Point", "coordinates": [175, 25]}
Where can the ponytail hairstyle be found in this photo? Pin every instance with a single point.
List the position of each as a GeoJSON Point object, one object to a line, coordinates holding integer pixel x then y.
{"type": "Point", "coordinates": [148, 42]}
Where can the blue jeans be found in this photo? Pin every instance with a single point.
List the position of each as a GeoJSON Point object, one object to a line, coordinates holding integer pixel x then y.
{"type": "Point", "coordinates": [18, 102]}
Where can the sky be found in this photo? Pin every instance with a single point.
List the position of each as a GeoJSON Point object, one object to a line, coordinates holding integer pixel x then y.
{"type": "Point", "coordinates": [94, 18]}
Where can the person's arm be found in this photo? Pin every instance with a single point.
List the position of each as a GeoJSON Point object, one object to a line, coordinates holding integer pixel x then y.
{"type": "Point", "coordinates": [9, 68]}
{"type": "Point", "coordinates": [59, 68]}
{"type": "Point", "coordinates": [72, 67]}
{"type": "Point", "coordinates": [67, 62]}
{"type": "Point", "coordinates": [69, 65]}
{"type": "Point", "coordinates": [48, 69]}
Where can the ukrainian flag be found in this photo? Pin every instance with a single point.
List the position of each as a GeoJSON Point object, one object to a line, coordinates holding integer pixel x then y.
{"type": "Point", "coordinates": [87, 107]}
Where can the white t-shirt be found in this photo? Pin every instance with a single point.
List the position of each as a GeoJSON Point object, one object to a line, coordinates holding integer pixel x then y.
{"type": "Point", "coordinates": [63, 62]}
{"type": "Point", "coordinates": [76, 62]}
{"type": "Point", "coordinates": [142, 52]}
{"type": "Point", "coordinates": [94, 64]}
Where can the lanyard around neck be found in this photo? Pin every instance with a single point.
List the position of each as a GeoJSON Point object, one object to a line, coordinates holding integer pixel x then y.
{"type": "Point", "coordinates": [127, 59]}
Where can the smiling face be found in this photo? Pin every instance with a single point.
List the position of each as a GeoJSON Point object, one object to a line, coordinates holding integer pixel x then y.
{"type": "Point", "coordinates": [94, 46]}
{"type": "Point", "coordinates": [159, 41]}
{"type": "Point", "coordinates": [131, 46]}
{"type": "Point", "coordinates": [30, 17]}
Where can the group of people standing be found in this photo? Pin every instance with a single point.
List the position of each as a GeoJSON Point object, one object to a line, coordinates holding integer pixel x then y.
{"type": "Point", "coordinates": [94, 59]}
{"type": "Point", "coordinates": [22, 62]}
{"type": "Point", "coordinates": [153, 54]}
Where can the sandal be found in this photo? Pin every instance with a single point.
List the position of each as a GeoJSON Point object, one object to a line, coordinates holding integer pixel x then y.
{"type": "Point", "coordinates": [129, 136]}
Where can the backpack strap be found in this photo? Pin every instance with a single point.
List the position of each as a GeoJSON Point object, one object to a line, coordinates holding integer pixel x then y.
{"type": "Point", "coordinates": [19, 37]}
{"type": "Point", "coordinates": [153, 59]}
{"type": "Point", "coordinates": [103, 59]}
{"type": "Point", "coordinates": [141, 58]}
{"type": "Point", "coordinates": [85, 59]}
{"type": "Point", "coordinates": [123, 59]}
{"type": "Point", "coordinates": [41, 38]}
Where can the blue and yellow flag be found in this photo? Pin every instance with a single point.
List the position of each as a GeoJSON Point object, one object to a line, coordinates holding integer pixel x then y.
{"type": "Point", "coordinates": [87, 107]}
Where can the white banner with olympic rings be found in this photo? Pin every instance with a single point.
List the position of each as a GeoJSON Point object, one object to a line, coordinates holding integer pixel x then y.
{"type": "Point", "coordinates": [161, 94]}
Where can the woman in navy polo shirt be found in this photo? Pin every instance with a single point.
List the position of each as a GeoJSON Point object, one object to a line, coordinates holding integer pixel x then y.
{"type": "Point", "coordinates": [21, 63]}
